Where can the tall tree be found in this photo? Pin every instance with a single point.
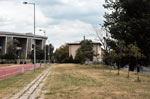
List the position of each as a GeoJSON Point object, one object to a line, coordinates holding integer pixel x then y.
{"type": "Point", "coordinates": [85, 51]}
{"type": "Point", "coordinates": [129, 20]}
{"type": "Point", "coordinates": [135, 53]}
{"type": "Point", "coordinates": [62, 54]}
{"type": "Point", "coordinates": [50, 51]}
{"type": "Point", "coordinates": [39, 54]}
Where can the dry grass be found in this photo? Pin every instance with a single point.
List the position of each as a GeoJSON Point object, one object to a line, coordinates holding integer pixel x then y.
{"type": "Point", "coordinates": [2, 65]}
{"type": "Point", "coordinates": [14, 84]}
{"type": "Point", "coordinates": [70, 81]}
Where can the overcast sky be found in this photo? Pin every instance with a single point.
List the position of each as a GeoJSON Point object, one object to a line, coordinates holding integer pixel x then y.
{"type": "Point", "coordinates": [64, 20]}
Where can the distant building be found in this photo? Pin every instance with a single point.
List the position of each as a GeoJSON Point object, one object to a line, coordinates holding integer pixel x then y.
{"type": "Point", "coordinates": [73, 47]}
{"type": "Point", "coordinates": [26, 42]}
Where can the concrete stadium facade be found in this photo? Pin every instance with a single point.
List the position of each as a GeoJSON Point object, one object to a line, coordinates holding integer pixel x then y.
{"type": "Point", "coordinates": [26, 41]}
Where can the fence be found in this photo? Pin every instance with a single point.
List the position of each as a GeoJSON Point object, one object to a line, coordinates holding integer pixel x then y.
{"type": "Point", "coordinates": [10, 71]}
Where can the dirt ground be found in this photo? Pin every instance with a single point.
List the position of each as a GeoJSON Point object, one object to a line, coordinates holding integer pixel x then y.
{"type": "Point", "coordinates": [72, 81]}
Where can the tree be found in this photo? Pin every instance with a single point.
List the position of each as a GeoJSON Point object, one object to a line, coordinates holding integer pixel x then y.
{"type": "Point", "coordinates": [39, 53]}
{"type": "Point", "coordinates": [53, 59]}
{"type": "Point", "coordinates": [12, 50]}
{"type": "Point", "coordinates": [71, 59]}
{"type": "Point", "coordinates": [49, 50]}
{"type": "Point", "coordinates": [62, 54]}
{"type": "Point", "coordinates": [129, 20]}
{"type": "Point", "coordinates": [85, 52]}
{"type": "Point", "coordinates": [102, 36]}
{"type": "Point", "coordinates": [135, 53]}
{"type": "Point", "coordinates": [117, 55]}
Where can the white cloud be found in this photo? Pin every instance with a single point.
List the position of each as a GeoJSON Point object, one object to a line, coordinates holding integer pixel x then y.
{"type": "Point", "coordinates": [75, 9]}
{"type": "Point", "coordinates": [64, 20]}
{"type": "Point", "coordinates": [68, 31]}
{"type": "Point", "coordinates": [19, 17]}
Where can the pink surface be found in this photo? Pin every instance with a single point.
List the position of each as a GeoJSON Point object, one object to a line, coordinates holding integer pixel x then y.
{"type": "Point", "coordinates": [9, 71]}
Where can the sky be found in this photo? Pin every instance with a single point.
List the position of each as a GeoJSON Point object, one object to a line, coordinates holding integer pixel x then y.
{"type": "Point", "coordinates": [64, 21]}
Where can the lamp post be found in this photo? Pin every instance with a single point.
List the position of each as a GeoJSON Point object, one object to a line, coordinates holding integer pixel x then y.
{"type": "Point", "coordinates": [34, 35]}
{"type": "Point", "coordinates": [45, 44]}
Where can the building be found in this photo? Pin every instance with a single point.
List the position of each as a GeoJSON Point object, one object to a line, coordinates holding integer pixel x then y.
{"type": "Point", "coordinates": [73, 47]}
{"type": "Point", "coordinates": [26, 43]}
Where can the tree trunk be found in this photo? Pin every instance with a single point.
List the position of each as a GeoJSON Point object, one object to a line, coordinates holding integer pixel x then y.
{"type": "Point", "coordinates": [103, 68]}
{"type": "Point", "coordinates": [110, 68]}
{"type": "Point", "coordinates": [128, 73]}
{"type": "Point", "coordinates": [138, 69]}
{"type": "Point", "coordinates": [131, 67]}
{"type": "Point", "coordinates": [118, 69]}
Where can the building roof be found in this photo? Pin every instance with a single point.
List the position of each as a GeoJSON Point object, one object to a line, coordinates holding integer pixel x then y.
{"type": "Point", "coordinates": [78, 43]}
{"type": "Point", "coordinates": [2, 33]}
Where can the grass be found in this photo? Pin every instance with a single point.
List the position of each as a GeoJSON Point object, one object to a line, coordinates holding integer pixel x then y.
{"type": "Point", "coordinates": [71, 81]}
{"type": "Point", "coordinates": [14, 84]}
{"type": "Point", "coordinates": [2, 65]}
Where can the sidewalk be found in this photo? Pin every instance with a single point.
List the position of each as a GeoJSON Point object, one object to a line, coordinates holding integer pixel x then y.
{"type": "Point", "coordinates": [32, 89]}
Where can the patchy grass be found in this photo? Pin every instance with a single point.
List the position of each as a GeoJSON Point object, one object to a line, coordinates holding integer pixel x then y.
{"type": "Point", "coordinates": [14, 84]}
{"type": "Point", "coordinates": [2, 65]}
{"type": "Point", "coordinates": [71, 81]}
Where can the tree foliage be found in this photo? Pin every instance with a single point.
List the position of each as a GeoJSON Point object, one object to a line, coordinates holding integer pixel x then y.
{"type": "Point", "coordinates": [39, 53]}
{"type": "Point", "coordinates": [12, 50]}
{"type": "Point", "coordinates": [62, 54]}
{"type": "Point", "coordinates": [50, 51]}
{"type": "Point", "coordinates": [85, 52]}
{"type": "Point", "coordinates": [128, 21]}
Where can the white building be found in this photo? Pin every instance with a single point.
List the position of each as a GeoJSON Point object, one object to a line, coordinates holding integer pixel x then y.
{"type": "Point", "coordinates": [73, 47]}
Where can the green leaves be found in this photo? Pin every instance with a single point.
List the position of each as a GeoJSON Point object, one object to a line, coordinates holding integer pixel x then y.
{"type": "Point", "coordinates": [85, 51]}
{"type": "Point", "coordinates": [129, 21]}
{"type": "Point", "coordinates": [62, 54]}
{"type": "Point", "coordinates": [135, 52]}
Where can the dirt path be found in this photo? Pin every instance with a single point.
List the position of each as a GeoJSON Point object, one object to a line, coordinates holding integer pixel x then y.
{"type": "Point", "coordinates": [31, 90]}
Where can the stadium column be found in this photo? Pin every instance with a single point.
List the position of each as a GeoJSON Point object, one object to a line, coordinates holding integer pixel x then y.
{"type": "Point", "coordinates": [8, 40]}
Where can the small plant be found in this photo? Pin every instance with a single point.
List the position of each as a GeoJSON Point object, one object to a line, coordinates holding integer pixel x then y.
{"type": "Point", "coordinates": [21, 62]}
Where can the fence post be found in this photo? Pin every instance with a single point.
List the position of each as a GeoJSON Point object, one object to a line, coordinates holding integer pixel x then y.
{"type": "Point", "coordinates": [16, 71]}
{"type": "Point", "coordinates": [22, 69]}
{"type": "Point", "coordinates": [4, 74]}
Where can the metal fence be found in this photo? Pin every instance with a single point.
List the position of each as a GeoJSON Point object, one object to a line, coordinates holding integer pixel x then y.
{"type": "Point", "coordinates": [10, 71]}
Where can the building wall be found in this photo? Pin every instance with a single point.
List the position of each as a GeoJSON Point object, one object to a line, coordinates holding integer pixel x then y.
{"type": "Point", "coordinates": [96, 47]}
{"type": "Point", "coordinates": [98, 51]}
{"type": "Point", "coordinates": [43, 44]}
{"type": "Point", "coordinates": [73, 49]}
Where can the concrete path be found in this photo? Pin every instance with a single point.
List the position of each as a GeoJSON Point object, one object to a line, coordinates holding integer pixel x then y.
{"type": "Point", "coordinates": [32, 90]}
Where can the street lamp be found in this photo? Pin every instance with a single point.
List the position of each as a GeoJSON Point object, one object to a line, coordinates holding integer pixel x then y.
{"type": "Point", "coordinates": [45, 42]}
{"type": "Point", "coordinates": [34, 35]}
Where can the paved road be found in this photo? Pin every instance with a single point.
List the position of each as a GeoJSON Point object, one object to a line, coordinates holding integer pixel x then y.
{"type": "Point", "coordinates": [9, 71]}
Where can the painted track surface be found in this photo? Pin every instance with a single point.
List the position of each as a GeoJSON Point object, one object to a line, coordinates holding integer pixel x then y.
{"type": "Point", "coordinates": [9, 71]}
